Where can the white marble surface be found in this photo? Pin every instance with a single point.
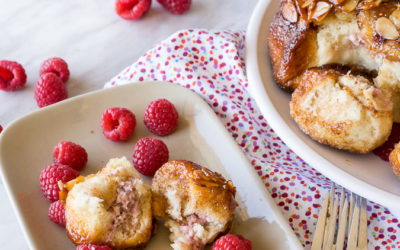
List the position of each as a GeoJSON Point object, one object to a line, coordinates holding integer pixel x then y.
{"type": "Point", "coordinates": [97, 45]}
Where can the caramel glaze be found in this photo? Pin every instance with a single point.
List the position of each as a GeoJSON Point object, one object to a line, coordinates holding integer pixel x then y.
{"type": "Point", "coordinates": [287, 43]}
{"type": "Point", "coordinates": [366, 20]}
{"type": "Point", "coordinates": [208, 186]}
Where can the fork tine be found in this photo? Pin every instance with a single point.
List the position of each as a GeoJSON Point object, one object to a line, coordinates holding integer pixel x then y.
{"type": "Point", "coordinates": [320, 229]}
{"type": "Point", "coordinates": [344, 206]}
{"type": "Point", "coordinates": [362, 236]}
{"type": "Point", "coordinates": [332, 226]}
{"type": "Point", "coordinates": [353, 231]}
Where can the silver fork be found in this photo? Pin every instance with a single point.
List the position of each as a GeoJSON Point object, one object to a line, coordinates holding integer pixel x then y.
{"type": "Point", "coordinates": [352, 220]}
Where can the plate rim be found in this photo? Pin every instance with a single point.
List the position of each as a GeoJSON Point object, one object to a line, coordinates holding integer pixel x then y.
{"type": "Point", "coordinates": [258, 92]}
{"type": "Point", "coordinates": [280, 219]}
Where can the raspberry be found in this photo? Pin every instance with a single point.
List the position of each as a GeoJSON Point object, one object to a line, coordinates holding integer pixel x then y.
{"type": "Point", "coordinates": [118, 124]}
{"type": "Point", "coordinates": [50, 176]}
{"type": "Point", "coordinates": [57, 213]}
{"type": "Point", "coordinates": [92, 247]}
{"type": "Point", "coordinates": [70, 154]}
{"type": "Point", "coordinates": [56, 66]}
{"type": "Point", "coordinates": [49, 89]}
{"type": "Point", "coordinates": [384, 150]}
{"type": "Point", "coordinates": [176, 6]}
{"type": "Point", "coordinates": [1, 128]}
{"type": "Point", "coordinates": [232, 242]}
{"type": "Point", "coordinates": [132, 9]}
{"type": "Point", "coordinates": [149, 155]}
{"type": "Point", "coordinates": [161, 117]}
{"type": "Point", "coordinates": [12, 75]}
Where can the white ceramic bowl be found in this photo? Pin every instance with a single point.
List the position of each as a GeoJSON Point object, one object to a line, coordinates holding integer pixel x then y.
{"type": "Point", "coordinates": [366, 175]}
{"type": "Point", "coordinates": [26, 148]}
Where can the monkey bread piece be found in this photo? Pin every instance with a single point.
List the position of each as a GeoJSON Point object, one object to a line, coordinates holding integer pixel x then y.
{"type": "Point", "coordinates": [394, 159]}
{"type": "Point", "coordinates": [342, 110]}
{"type": "Point", "coordinates": [112, 207]}
{"type": "Point", "coordinates": [197, 204]}
{"type": "Point", "coordinates": [313, 33]}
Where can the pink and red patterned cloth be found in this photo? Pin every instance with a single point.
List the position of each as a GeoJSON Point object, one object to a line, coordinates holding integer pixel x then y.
{"type": "Point", "coordinates": [212, 64]}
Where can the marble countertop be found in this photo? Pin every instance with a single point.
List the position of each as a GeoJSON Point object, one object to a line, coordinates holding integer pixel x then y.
{"type": "Point", "coordinates": [96, 44]}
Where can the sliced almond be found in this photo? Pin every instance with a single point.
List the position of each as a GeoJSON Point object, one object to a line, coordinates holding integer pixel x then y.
{"type": "Point", "coordinates": [350, 5]}
{"type": "Point", "coordinates": [395, 18]}
{"type": "Point", "coordinates": [289, 12]}
{"type": "Point", "coordinates": [307, 3]}
{"type": "Point", "coordinates": [321, 11]}
{"type": "Point", "coordinates": [386, 29]}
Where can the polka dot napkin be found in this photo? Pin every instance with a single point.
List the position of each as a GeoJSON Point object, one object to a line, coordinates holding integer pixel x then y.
{"type": "Point", "coordinates": [212, 64]}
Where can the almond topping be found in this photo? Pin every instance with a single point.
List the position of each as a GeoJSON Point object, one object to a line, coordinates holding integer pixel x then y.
{"type": "Point", "coordinates": [386, 29]}
{"type": "Point", "coordinates": [289, 12]}
{"type": "Point", "coordinates": [321, 11]}
{"type": "Point", "coordinates": [395, 18]}
{"type": "Point", "coordinates": [307, 3]}
{"type": "Point", "coordinates": [350, 5]}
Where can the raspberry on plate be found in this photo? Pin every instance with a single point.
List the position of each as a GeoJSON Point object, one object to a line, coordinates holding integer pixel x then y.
{"type": "Point", "coordinates": [57, 213]}
{"type": "Point", "coordinates": [149, 155]}
{"type": "Point", "coordinates": [232, 242]}
{"type": "Point", "coordinates": [57, 66]}
{"type": "Point", "coordinates": [118, 124]}
{"type": "Point", "coordinates": [12, 75]}
{"type": "Point", "coordinates": [176, 6]}
{"type": "Point", "coordinates": [50, 176]}
{"type": "Point", "coordinates": [70, 154]}
{"type": "Point", "coordinates": [92, 247]}
{"type": "Point", "coordinates": [132, 9]}
{"type": "Point", "coordinates": [161, 117]}
{"type": "Point", "coordinates": [49, 89]}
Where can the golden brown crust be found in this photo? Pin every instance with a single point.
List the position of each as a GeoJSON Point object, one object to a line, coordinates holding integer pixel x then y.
{"type": "Point", "coordinates": [394, 159]}
{"type": "Point", "coordinates": [192, 199]}
{"type": "Point", "coordinates": [376, 42]}
{"type": "Point", "coordinates": [112, 207]}
{"type": "Point", "coordinates": [341, 110]}
{"type": "Point", "coordinates": [287, 43]}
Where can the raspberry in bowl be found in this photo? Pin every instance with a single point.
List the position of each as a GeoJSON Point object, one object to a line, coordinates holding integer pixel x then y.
{"type": "Point", "coordinates": [118, 124]}
{"type": "Point", "coordinates": [50, 176]}
{"type": "Point", "coordinates": [70, 154]}
{"type": "Point", "coordinates": [149, 155]}
{"type": "Point", "coordinates": [161, 117]}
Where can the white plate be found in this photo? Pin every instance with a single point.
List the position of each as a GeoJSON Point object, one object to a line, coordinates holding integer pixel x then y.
{"type": "Point", "coordinates": [366, 175]}
{"type": "Point", "coordinates": [26, 148]}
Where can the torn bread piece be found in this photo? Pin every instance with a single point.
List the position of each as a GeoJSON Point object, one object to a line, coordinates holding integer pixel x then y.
{"type": "Point", "coordinates": [342, 110]}
{"type": "Point", "coordinates": [112, 207]}
{"type": "Point", "coordinates": [197, 204]}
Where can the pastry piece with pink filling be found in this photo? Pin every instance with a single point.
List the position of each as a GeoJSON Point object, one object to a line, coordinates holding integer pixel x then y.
{"type": "Point", "coordinates": [197, 204]}
{"type": "Point", "coordinates": [112, 207]}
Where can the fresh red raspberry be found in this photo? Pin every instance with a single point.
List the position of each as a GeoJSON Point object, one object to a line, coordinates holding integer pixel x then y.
{"type": "Point", "coordinates": [118, 124]}
{"type": "Point", "coordinates": [57, 66]}
{"type": "Point", "coordinates": [50, 176]}
{"type": "Point", "coordinates": [232, 242]}
{"type": "Point", "coordinates": [132, 9]}
{"type": "Point", "coordinates": [1, 128]}
{"type": "Point", "coordinates": [49, 89]}
{"type": "Point", "coordinates": [70, 154]}
{"type": "Point", "coordinates": [384, 150]}
{"type": "Point", "coordinates": [57, 213]}
{"type": "Point", "coordinates": [92, 247]}
{"type": "Point", "coordinates": [176, 6]}
{"type": "Point", "coordinates": [12, 75]}
{"type": "Point", "coordinates": [149, 155]}
{"type": "Point", "coordinates": [161, 117]}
